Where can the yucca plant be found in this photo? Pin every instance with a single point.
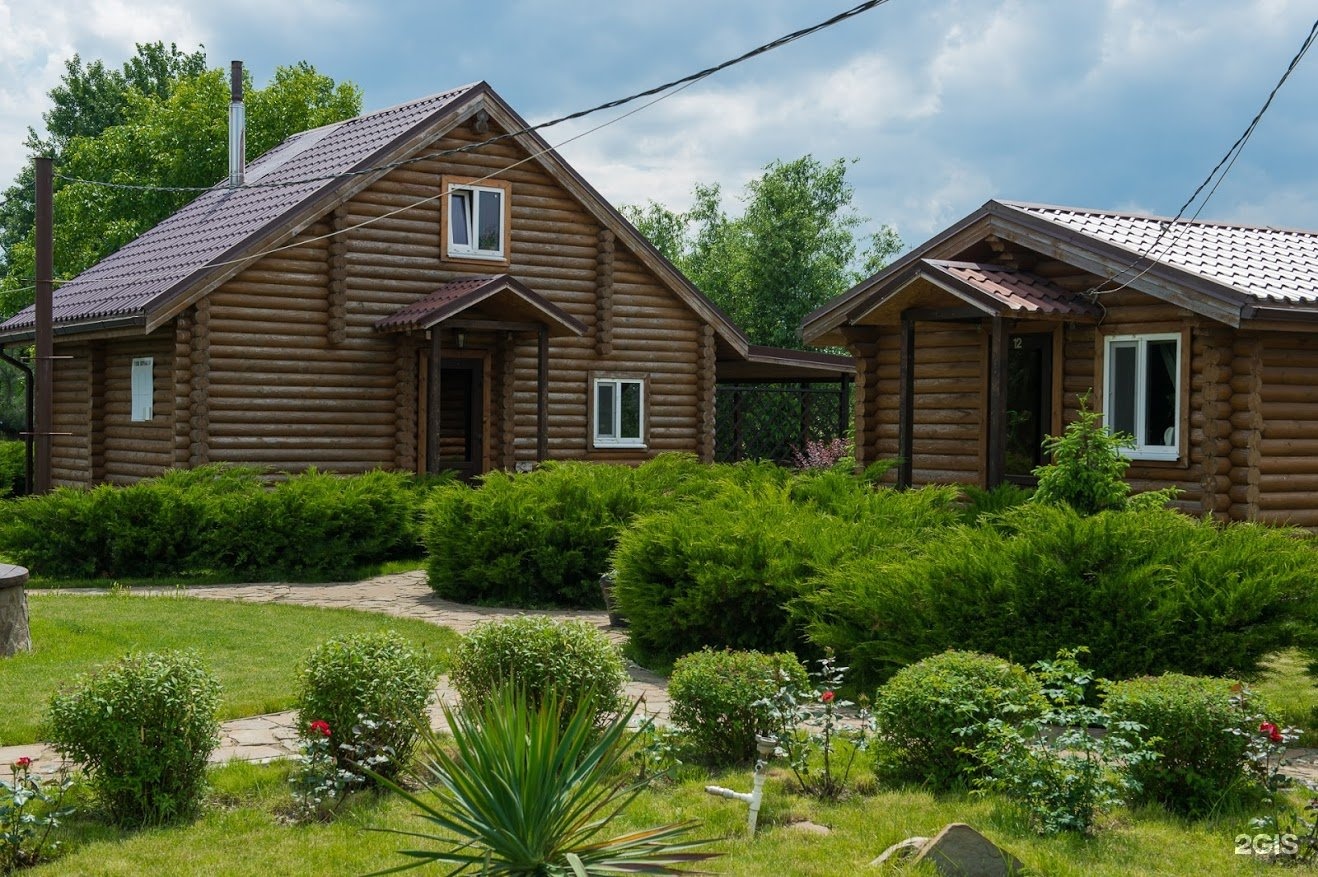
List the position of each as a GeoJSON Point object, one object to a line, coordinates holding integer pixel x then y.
{"type": "Point", "coordinates": [524, 792]}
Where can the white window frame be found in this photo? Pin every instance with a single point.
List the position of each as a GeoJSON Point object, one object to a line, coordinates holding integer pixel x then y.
{"type": "Point", "coordinates": [617, 440]}
{"type": "Point", "coordinates": [143, 389]}
{"type": "Point", "coordinates": [471, 250]}
{"type": "Point", "coordinates": [1140, 450]}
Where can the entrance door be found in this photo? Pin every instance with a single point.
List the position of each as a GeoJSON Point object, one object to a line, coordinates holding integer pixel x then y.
{"type": "Point", "coordinates": [1029, 403]}
{"type": "Point", "coordinates": [461, 416]}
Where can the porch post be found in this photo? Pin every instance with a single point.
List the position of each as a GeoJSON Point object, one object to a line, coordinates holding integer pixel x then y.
{"type": "Point", "coordinates": [432, 403]}
{"type": "Point", "coordinates": [542, 396]}
{"type": "Point", "coordinates": [842, 419]}
{"type": "Point", "coordinates": [997, 407]}
{"type": "Point", "coordinates": [906, 403]}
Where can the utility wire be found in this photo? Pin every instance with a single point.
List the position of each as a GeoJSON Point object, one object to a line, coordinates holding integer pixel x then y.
{"type": "Point", "coordinates": [1225, 164]}
{"type": "Point", "coordinates": [683, 82]}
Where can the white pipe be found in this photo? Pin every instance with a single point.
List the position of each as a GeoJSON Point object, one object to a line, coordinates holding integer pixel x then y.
{"type": "Point", "coordinates": [756, 795]}
{"type": "Point", "coordinates": [237, 127]}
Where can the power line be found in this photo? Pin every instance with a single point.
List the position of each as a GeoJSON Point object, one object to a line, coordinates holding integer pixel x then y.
{"type": "Point", "coordinates": [1225, 164]}
{"type": "Point", "coordinates": [683, 82]}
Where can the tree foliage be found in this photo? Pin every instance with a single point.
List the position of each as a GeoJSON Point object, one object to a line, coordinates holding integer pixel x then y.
{"type": "Point", "coordinates": [160, 120]}
{"type": "Point", "coordinates": [793, 248]}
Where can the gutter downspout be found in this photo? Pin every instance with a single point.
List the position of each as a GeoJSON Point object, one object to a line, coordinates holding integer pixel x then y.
{"type": "Point", "coordinates": [31, 410]}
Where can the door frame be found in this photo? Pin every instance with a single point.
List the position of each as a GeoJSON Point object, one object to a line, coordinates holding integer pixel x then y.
{"type": "Point", "coordinates": [477, 364]}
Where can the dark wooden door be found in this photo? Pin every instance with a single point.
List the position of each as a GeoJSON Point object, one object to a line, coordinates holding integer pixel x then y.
{"type": "Point", "coordinates": [1029, 403]}
{"type": "Point", "coordinates": [461, 417]}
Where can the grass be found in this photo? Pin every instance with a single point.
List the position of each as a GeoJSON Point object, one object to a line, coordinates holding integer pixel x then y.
{"type": "Point", "coordinates": [253, 648]}
{"type": "Point", "coordinates": [385, 567]}
{"type": "Point", "coordinates": [248, 801]}
{"type": "Point", "coordinates": [1291, 693]}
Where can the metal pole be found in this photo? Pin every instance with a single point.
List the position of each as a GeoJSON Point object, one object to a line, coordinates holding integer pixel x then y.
{"type": "Point", "coordinates": [44, 415]}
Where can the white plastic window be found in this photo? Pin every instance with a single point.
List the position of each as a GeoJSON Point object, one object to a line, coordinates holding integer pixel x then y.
{"type": "Point", "coordinates": [143, 388]}
{"type": "Point", "coordinates": [619, 413]}
{"type": "Point", "coordinates": [475, 227]}
{"type": "Point", "coordinates": [1142, 393]}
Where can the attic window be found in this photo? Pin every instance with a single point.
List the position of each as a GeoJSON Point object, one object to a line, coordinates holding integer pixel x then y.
{"type": "Point", "coordinates": [476, 220]}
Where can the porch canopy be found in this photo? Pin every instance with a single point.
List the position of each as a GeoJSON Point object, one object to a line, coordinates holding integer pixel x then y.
{"type": "Point", "coordinates": [941, 291]}
{"type": "Point", "coordinates": [498, 303]}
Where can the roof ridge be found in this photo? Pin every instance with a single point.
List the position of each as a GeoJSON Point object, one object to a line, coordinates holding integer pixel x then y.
{"type": "Point", "coordinates": [1036, 207]}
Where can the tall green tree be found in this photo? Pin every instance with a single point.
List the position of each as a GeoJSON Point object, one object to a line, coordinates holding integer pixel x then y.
{"type": "Point", "coordinates": [793, 248]}
{"type": "Point", "coordinates": [170, 130]}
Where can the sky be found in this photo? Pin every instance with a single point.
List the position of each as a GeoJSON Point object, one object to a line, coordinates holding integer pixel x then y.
{"type": "Point", "coordinates": [940, 105]}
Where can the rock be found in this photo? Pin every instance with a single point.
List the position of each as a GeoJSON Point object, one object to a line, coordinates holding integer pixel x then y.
{"type": "Point", "coordinates": [960, 851]}
{"type": "Point", "coordinates": [808, 827]}
{"type": "Point", "coordinates": [901, 850]}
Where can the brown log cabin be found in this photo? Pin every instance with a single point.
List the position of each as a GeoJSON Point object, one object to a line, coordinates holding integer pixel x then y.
{"type": "Point", "coordinates": [977, 344]}
{"type": "Point", "coordinates": [428, 287]}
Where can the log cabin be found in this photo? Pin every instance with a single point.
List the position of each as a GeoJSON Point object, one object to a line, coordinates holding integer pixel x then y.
{"type": "Point", "coordinates": [428, 287]}
{"type": "Point", "coordinates": [1199, 339]}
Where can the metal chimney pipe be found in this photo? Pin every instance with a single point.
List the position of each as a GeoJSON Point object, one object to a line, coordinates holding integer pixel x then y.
{"type": "Point", "coordinates": [237, 126]}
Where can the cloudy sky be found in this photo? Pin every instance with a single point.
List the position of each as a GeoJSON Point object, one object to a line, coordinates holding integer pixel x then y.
{"type": "Point", "coordinates": [942, 104]}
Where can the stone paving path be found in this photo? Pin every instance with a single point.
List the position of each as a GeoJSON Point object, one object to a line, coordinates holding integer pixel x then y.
{"type": "Point", "coordinates": [405, 595]}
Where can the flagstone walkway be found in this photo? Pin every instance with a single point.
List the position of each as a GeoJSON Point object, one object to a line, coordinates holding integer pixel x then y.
{"type": "Point", "coordinates": [405, 595]}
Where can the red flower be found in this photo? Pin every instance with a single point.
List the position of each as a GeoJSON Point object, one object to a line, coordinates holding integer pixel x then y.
{"type": "Point", "coordinates": [1274, 734]}
{"type": "Point", "coordinates": [321, 727]}
{"type": "Point", "coordinates": [23, 762]}
{"type": "Point", "coordinates": [826, 697]}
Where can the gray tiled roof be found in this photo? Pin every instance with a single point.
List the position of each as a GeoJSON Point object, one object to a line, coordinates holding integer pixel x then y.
{"type": "Point", "coordinates": [214, 226]}
{"type": "Point", "coordinates": [1271, 264]}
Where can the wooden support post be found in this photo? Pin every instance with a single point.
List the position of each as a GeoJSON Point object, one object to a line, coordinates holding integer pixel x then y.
{"type": "Point", "coordinates": [44, 416]}
{"type": "Point", "coordinates": [906, 404]}
{"type": "Point", "coordinates": [432, 403]}
{"type": "Point", "coordinates": [542, 396]}
{"type": "Point", "coordinates": [997, 406]}
{"type": "Point", "coordinates": [843, 421]}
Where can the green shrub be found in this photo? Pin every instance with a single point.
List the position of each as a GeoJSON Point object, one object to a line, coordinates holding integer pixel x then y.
{"type": "Point", "coordinates": [980, 503]}
{"type": "Point", "coordinates": [1189, 721]}
{"type": "Point", "coordinates": [718, 700]}
{"type": "Point", "coordinates": [142, 729]}
{"type": "Point", "coordinates": [920, 709]}
{"type": "Point", "coordinates": [570, 659]}
{"type": "Point", "coordinates": [1147, 591]}
{"type": "Point", "coordinates": [372, 689]}
{"type": "Point", "coordinates": [216, 517]}
{"type": "Point", "coordinates": [13, 467]}
{"type": "Point", "coordinates": [721, 572]}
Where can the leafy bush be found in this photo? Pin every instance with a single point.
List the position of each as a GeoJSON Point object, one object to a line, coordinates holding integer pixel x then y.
{"type": "Point", "coordinates": [215, 517]}
{"type": "Point", "coordinates": [1054, 768]}
{"type": "Point", "coordinates": [719, 700]}
{"type": "Point", "coordinates": [142, 729]}
{"type": "Point", "coordinates": [1188, 721]}
{"type": "Point", "coordinates": [918, 711]}
{"type": "Point", "coordinates": [570, 659]}
{"type": "Point", "coordinates": [1148, 591]}
{"type": "Point", "coordinates": [721, 572]}
{"type": "Point", "coordinates": [531, 790]}
{"type": "Point", "coordinates": [372, 690]}
{"type": "Point", "coordinates": [13, 467]}
{"type": "Point", "coordinates": [980, 503]}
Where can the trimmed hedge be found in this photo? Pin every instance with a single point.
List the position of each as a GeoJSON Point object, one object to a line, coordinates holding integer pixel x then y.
{"type": "Point", "coordinates": [216, 518]}
{"type": "Point", "coordinates": [1147, 591]}
{"type": "Point", "coordinates": [544, 538]}
{"type": "Point", "coordinates": [722, 572]}
{"type": "Point", "coordinates": [919, 711]}
{"type": "Point", "coordinates": [13, 467]}
{"type": "Point", "coordinates": [1189, 721]}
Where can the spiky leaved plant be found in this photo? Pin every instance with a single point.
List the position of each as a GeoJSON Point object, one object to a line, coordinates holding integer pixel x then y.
{"type": "Point", "coordinates": [525, 792]}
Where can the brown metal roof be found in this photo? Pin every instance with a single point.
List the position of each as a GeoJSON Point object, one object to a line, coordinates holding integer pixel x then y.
{"type": "Point", "coordinates": [778, 364]}
{"type": "Point", "coordinates": [145, 272]}
{"type": "Point", "coordinates": [1274, 265]}
{"type": "Point", "coordinates": [1011, 292]}
{"type": "Point", "coordinates": [517, 302]}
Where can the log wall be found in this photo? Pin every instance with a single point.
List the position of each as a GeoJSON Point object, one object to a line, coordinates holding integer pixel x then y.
{"type": "Point", "coordinates": [134, 450]}
{"type": "Point", "coordinates": [1287, 437]}
{"type": "Point", "coordinates": [71, 444]}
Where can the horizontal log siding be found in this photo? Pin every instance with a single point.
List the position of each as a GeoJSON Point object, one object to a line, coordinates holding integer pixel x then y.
{"type": "Point", "coordinates": [297, 376]}
{"type": "Point", "coordinates": [71, 445]}
{"type": "Point", "coordinates": [142, 449]}
{"type": "Point", "coordinates": [1287, 452]}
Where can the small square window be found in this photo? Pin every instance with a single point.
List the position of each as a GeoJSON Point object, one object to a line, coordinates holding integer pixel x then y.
{"type": "Point", "coordinates": [476, 222]}
{"type": "Point", "coordinates": [619, 413]}
{"type": "Point", "coordinates": [1142, 395]}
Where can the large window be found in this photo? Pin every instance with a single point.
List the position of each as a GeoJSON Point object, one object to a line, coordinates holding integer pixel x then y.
{"type": "Point", "coordinates": [1142, 393]}
{"type": "Point", "coordinates": [619, 413]}
{"type": "Point", "coordinates": [477, 221]}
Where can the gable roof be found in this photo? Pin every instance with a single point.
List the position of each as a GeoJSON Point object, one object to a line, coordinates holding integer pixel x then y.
{"type": "Point", "coordinates": [456, 296]}
{"type": "Point", "coordinates": [1223, 271]}
{"type": "Point", "coordinates": [151, 278]}
{"type": "Point", "coordinates": [996, 289]}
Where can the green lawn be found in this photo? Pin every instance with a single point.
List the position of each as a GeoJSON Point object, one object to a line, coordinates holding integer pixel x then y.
{"type": "Point", "coordinates": [384, 567]}
{"type": "Point", "coordinates": [242, 834]}
{"type": "Point", "coordinates": [1291, 692]}
{"type": "Point", "coordinates": [253, 648]}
